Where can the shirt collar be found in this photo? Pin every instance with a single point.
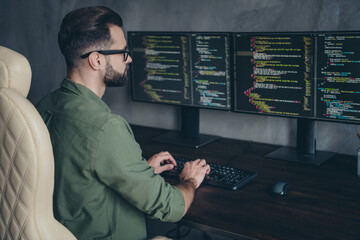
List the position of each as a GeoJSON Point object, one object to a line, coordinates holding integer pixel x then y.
{"type": "Point", "coordinates": [81, 90]}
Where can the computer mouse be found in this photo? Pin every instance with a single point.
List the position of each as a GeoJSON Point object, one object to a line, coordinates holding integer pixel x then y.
{"type": "Point", "coordinates": [281, 188]}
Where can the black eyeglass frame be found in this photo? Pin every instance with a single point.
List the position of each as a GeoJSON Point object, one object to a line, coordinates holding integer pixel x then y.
{"type": "Point", "coordinates": [126, 53]}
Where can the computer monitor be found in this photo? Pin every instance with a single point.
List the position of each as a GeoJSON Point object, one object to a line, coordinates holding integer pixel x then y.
{"type": "Point", "coordinates": [308, 76]}
{"type": "Point", "coordinates": [188, 69]}
{"type": "Point", "coordinates": [274, 76]}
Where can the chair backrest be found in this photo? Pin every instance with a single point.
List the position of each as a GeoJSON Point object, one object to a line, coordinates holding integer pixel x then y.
{"type": "Point", "coordinates": [26, 159]}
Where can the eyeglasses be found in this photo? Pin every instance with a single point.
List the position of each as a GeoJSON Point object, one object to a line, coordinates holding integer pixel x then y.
{"type": "Point", "coordinates": [109, 52]}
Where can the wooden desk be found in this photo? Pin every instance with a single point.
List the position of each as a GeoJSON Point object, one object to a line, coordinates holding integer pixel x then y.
{"type": "Point", "coordinates": [324, 202]}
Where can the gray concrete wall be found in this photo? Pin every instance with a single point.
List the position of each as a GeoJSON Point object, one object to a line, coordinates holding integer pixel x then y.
{"type": "Point", "coordinates": [31, 28]}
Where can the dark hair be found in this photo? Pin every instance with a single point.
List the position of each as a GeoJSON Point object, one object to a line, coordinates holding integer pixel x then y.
{"type": "Point", "coordinates": [86, 28]}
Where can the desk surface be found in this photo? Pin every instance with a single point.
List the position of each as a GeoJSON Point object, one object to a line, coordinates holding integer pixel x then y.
{"type": "Point", "coordinates": [324, 202]}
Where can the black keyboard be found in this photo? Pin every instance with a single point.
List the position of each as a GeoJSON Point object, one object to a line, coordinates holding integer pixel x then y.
{"type": "Point", "coordinates": [220, 176]}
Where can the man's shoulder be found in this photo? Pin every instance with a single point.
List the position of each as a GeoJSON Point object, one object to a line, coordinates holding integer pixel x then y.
{"type": "Point", "coordinates": [115, 121]}
{"type": "Point", "coordinates": [77, 110]}
{"type": "Point", "coordinates": [46, 101]}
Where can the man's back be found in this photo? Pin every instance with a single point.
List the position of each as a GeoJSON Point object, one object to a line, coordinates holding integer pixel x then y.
{"type": "Point", "coordinates": [102, 184]}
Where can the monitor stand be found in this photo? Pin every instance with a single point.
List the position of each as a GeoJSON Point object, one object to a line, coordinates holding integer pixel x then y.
{"type": "Point", "coordinates": [189, 135]}
{"type": "Point", "coordinates": [305, 151]}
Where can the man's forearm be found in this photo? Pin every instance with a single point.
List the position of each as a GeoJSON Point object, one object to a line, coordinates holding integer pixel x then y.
{"type": "Point", "coordinates": [188, 190]}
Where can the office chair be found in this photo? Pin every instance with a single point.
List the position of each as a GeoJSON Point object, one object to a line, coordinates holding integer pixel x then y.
{"type": "Point", "coordinates": [26, 159]}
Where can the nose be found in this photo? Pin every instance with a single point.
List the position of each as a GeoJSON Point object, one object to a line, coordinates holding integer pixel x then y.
{"type": "Point", "coordinates": [129, 59]}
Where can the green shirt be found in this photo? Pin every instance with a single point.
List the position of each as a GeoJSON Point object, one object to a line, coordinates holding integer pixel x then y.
{"type": "Point", "coordinates": [103, 186]}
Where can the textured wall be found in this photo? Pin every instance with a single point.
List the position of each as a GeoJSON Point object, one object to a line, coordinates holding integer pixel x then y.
{"type": "Point", "coordinates": [31, 27]}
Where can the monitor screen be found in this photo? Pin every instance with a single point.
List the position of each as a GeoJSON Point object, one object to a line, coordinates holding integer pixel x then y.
{"type": "Point", "coordinates": [273, 73]}
{"type": "Point", "coordinates": [338, 76]}
{"type": "Point", "coordinates": [189, 69]}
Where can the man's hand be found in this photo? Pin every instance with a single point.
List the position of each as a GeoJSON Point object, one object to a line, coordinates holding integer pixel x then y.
{"type": "Point", "coordinates": [190, 179]}
{"type": "Point", "coordinates": [194, 172]}
{"type": "Point", "coordinates": [162, 161]}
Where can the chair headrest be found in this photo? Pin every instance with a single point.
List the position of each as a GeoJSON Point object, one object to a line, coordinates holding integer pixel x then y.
{"type": "Point", "coordinates": [15, 71]}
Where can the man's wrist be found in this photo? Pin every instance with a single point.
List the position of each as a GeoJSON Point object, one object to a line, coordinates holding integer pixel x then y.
{"type": "Point", "coordinates": [189, 183]}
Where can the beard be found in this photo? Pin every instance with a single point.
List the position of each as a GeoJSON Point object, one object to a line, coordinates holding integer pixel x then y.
{"type": "Point", "coordinates": [113, 78]}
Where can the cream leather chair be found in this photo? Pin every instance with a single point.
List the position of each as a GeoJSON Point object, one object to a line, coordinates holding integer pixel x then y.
{"type": "Point", "coordinates": [26, 159]}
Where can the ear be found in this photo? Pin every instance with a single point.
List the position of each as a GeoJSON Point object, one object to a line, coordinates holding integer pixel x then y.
{"type": "Point", "coordinates": [96, 61]}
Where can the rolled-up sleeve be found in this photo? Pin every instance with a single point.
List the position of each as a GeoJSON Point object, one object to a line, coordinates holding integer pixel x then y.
{"type": "Point", "coordinates": [118, 163]}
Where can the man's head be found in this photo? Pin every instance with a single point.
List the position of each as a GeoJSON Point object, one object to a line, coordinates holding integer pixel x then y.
{"type": "Point", "coordinates": [94, 35]}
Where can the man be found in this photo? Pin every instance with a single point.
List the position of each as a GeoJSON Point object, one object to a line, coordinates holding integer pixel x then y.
{"type": "Point", "coordinates": [103, 186]}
